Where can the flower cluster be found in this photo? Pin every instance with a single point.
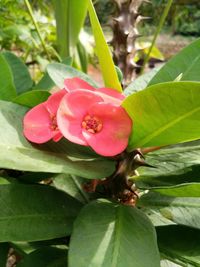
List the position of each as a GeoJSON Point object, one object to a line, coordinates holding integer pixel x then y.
{"type": "Point", "coordinates": [83, 115]}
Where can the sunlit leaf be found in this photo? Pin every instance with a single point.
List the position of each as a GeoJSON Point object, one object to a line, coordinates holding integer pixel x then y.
{"type": "Point", "coordinates": [103, 52]}
{"type": "Point", "coordinates": [186, 63]}
{"type": "Point", "coordinates": [164, 114]}
{"type": "Point", "coordinates": [175, 165]}
{"type": "Point", "coordinates": [115, 235]}
{"type": "Point", "coordinates": [181, 210]}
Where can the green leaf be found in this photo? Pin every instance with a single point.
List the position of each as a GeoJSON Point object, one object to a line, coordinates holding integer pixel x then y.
{"type": "Point", "coordinates": [119, 74]}
{"type": "Point", "coordinates": [173, 166]}
{"type": "Point", "coordinates": [180, 244]}
{"type": "Point", "coordinates": [46, 82]}
{"type": "Point", "coordinates": [70, 16]}
{"type": "Point", "coordinates": [186, 62]}
{"type": "Point", "coordinates": [35, 212]}
{"type": "Point", "coordinates": [71, 149]}
{"type": "Point", "coordinates": [153, 180]}
{"type": "Point", "coordinates": [4, 249]}
{"type": "Point", "coordinates": [3, 181]}
{"type": "Point", "coordinates": [32, 98]}
{"type": "Point", "coordinates": [18, 153]}
{"type": "Point", "coordinates": [21, 75]}
{"type": "Point", "coordinates": [72, 185]}
{"type": "Point", "coordinates": [167, 263]}
{"type": "Point", "coordinates": [103, 52]}
{"type": "Point", "coordinates": [23, 248]}
{"type": "Point", "coordinates": [184, 190]}
{"type": "Point", "coordinates": [82, 57]}
{"type": "Point", "coordinates": [115, 235]}
{"type": "Point", "coordinates": [141, 82]}
{"type": "Point", "coordinates": [156, 218]}
{"type": "Point", "coordinates": [47, 256]}
{"type": "Point", "coordinates": [7, 88]}
{"type": "Point", "coordinates": [181, 210]}
{"type": "Point", "coordinates": [164, 114]}
{"type": "Point", "coordinates": [59, 72]}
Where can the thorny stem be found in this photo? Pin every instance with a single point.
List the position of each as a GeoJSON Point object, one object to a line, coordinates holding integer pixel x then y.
{"type": "Point", "coordinates": [30, 11]}
{"type": "Point", "coordinates": [158, 29]}
{"type": "Point", "coordinates": [119, 186]}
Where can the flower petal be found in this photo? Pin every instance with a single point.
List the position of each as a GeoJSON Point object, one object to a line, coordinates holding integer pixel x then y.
{"type": "Point", "coordinates": [57, 136]}
{"type": "Point", "coordinates": [71, 112]}
{"type": "Point", "coordinates": [117, 125]}
{"type": "Point", "coordinates": [77, 83]}
{"type": "Point", "coordinates": [53, 101]}
{"type": "Point", "coordinates": [76, 103]}
{"type": "Point", "coordinates": [37, 125]}
{"type": "Point", "coordinates": [111, 96]}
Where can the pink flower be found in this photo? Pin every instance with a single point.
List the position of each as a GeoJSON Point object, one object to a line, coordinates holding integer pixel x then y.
{"type": "Point", "coordinates": [94, 117]}
{"type": "Point", "coordinates": [40, 123]}
{"type": "Point", "coordinates": [82, 114]}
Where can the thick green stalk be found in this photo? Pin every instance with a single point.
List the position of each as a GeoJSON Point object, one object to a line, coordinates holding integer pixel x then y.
{"type": "Point", "coordinates": [36, 27]}
{"type": "Point", "coordinates": [158, 29]}
{"type": "Point", "coordinates": [62, 15]}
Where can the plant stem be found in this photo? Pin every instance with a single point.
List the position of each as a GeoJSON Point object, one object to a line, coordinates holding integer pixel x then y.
{"type": "Point", "coordinates": [158, 29]}
{"type": "Point", "coordinates": [30, 11]}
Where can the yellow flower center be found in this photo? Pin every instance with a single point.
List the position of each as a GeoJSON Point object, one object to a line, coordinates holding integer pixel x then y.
{"type": "Point", "coordinates": [92, 124]}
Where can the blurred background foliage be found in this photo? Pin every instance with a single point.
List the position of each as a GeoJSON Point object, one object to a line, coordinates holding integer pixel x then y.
{"type": "Point", "coordinates": [18, 34]}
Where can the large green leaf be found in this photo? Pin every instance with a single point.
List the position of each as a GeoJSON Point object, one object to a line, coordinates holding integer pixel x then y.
{"type": "Point", "coordinates": [7, 87]}
{"type": "Point", "coordinates": [173, 166]}
{"type": "Point", "coordinates": [169, 179]}
{"type": "Point", "coordinates": [103, 52]}
{"type": "Point", "coordinates": [164, 114]}
{"type": "Point", "coordinates": [115, 235]}
{"type": "Point", "coordinates": [70, 16]}
{"type": "Point", "coordinates": [72, 185]}
{"type": "Point", "coordinates": [59, 72]}
{"type": "Point", "coordinates": [180, 244]}
{"type": "Point", "coordinates": [181, 210]}
{"type": "Point", "coordinates": [21, 75]}
{"type": "Point", "coordinates": [35, 212]}
{"type": "Point", "coordinates": [141, 82]}
{"type": "Point", "coordinates": [186, 63]}
{"type": "Point", "coordinates": [45, 257]}
{"type": "Point", "coordinates": [18, 153]}
{"type": "Point", "coordinates": [184, 190]}
{"type": "Point", "coordinates": [32, 98]}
